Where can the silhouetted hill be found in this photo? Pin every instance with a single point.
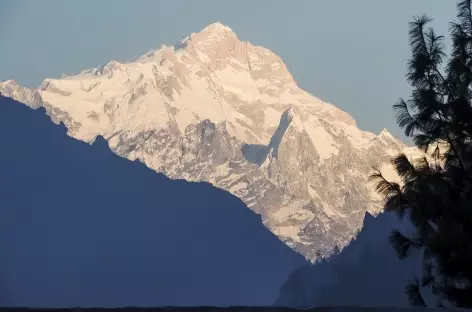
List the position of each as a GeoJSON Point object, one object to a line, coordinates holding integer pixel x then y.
{"type": "Point", "coordinates": [80, 226]}
{"type": "Point", "coordinates": [367, 272]}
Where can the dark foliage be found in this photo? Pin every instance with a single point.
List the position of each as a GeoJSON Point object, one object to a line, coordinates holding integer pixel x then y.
{"type": "Point", "coordinates": [435, 190]}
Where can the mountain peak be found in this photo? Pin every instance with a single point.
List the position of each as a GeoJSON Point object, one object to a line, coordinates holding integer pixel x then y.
{"type": "Point", "coordinates": [385, 134]}
{"type": "Point", "coordinates": [216, 27]}
{"type": "Point", "coordinates": [210, 34]}
{"type": "Point", "coordinates": [8, 82]}
{"type": "Point", "coordinates": [213, 75]}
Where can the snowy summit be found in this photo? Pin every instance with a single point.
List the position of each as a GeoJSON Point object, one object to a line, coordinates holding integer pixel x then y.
{"type": "Point", "coordinates": [214, 109]}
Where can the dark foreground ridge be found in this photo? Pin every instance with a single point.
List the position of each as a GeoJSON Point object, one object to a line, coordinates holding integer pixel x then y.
{"type": "Point", "coordinates": [83, 227]}
{"type": "Point", "coordinates": [243, 309]}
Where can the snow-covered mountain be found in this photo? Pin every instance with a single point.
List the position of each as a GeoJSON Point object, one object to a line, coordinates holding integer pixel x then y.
{"type": "Point", "coordinates": [217, 109]}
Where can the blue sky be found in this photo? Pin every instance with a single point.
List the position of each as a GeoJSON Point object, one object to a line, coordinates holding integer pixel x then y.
{"type": "Point", "coordinates": [349, 53]}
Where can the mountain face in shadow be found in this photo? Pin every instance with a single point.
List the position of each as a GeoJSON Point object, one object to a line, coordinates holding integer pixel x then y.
{"type": "Point", "coordinates": [80, 226]}
{"type": "Point", "coordinates": [367, 272]}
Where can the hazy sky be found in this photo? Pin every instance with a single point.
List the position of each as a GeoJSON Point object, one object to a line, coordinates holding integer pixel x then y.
{"type": "Point", "coordinates": [349, 53]}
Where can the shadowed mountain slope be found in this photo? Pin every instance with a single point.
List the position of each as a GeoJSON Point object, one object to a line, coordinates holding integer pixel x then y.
{"type": "Point", "coordinates": [366, 273]}
{"type": "Point", "coordinates": [81, 226]}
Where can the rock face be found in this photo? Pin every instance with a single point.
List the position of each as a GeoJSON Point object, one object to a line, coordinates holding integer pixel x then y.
{"type": "Point", "coordinates": [217, 109]}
